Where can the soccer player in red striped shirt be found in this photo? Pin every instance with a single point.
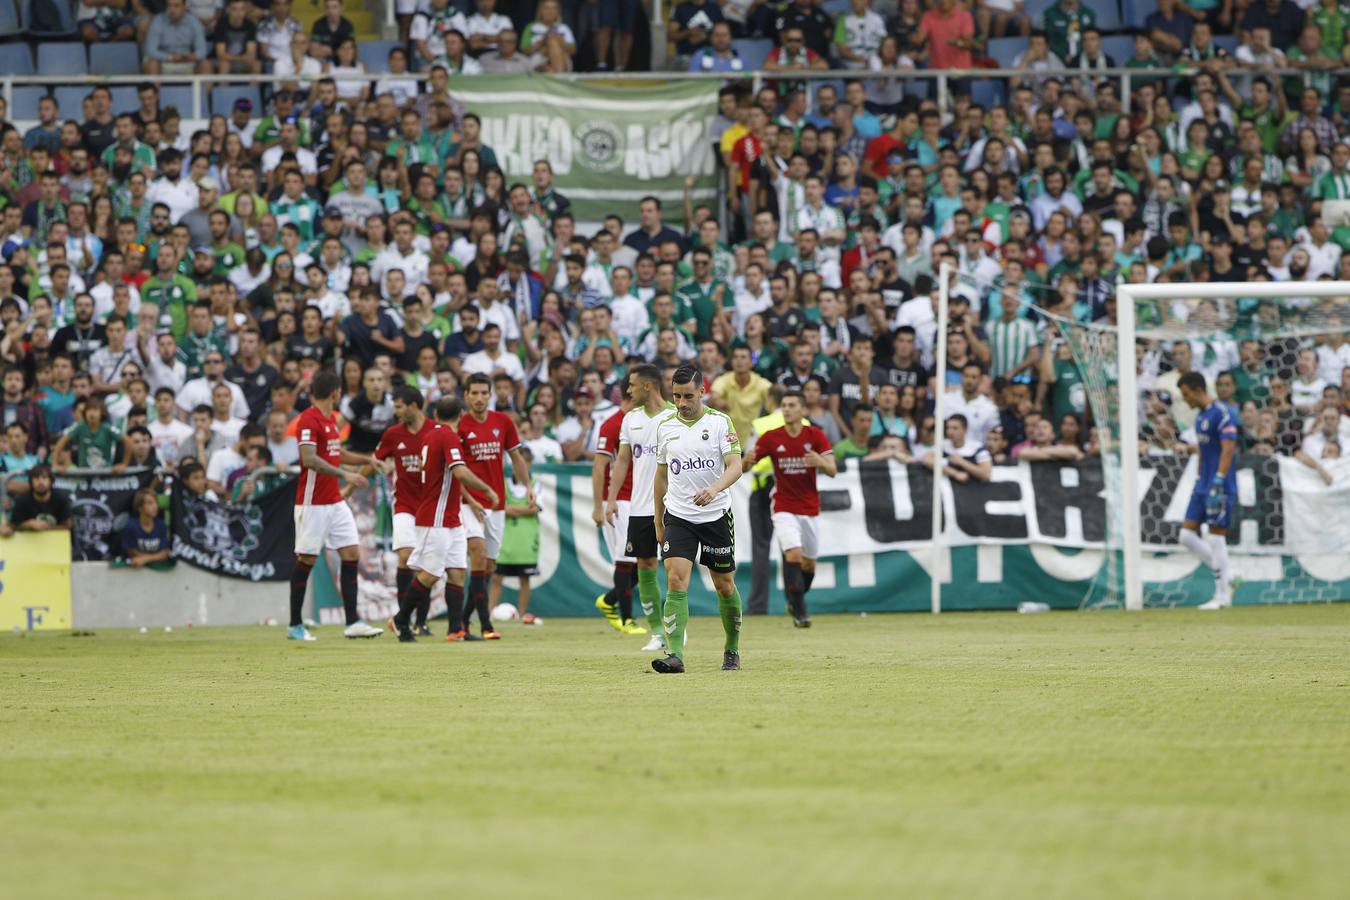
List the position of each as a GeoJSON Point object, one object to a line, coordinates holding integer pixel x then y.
{"type": "Point", "coordinates": [440, 546]}
{"type": "Point", "coordinates": [322, 518]}
{"type": "Point", "coordinates": [488, 436]}
{"type": "Point", "coordinates": [401, 447]}
{"type": "Point", "coordinates": [799, 450]}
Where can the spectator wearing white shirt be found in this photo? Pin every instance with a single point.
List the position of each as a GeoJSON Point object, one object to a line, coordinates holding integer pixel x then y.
{"type": "Point", "coordinates": [276, 30]}
{"type": "Point", "coordinates": [483, 27]}
{"type": "Point", "coordinates": [752, 298]}
{"type": "Point", "coordinates": [979, 411]}
{"type": "Point", "coordinates": [493, 358]}
{"type": "Point", "coordinates": [493, 312]}
{"type": "Point", "coordinates": [224, 420]}
{"type": "Point", "coordinates": [200, 391]}
{"type": "Point", "coordinates": [167, 432]}
{"type": "Point", "coordinates": [403, 255]}
{"type": "Point", "coordinates": [179, 194]}
{"type": "Point", "coordinates": [164, 368]}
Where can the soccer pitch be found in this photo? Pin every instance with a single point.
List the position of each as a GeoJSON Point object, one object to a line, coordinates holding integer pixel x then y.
{"type": "Point", "coordinates": [1164, 753]}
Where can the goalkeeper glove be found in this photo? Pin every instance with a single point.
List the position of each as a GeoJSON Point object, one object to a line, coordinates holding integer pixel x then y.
{"type": "Point", "coordinates": [1217, 500]}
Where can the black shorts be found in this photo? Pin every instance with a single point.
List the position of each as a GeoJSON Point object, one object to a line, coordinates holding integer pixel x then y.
{"type": "Point", "coordinates": [641, 537]}
{"type": "Point", "coordinates": [710, 544]}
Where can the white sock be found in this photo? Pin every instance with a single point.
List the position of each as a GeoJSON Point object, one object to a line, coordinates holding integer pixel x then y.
{"type": "Point", "coordinates": [1193, 542]}
{"type": "Point", "coordinates": [1219, 546]}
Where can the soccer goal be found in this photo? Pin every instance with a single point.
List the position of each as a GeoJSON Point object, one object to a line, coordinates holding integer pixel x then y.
{"type": "Point", "coordinates": [1277, 353]}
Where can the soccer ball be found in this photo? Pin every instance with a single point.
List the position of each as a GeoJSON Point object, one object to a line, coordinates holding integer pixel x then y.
{"type": "Point", "coordinates": [505, 612]}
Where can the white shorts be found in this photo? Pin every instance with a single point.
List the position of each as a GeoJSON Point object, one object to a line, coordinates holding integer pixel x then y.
{"type": "Point", "coordinates": [616, 535]}
{"type": "Point", "coordinates": [438, 549]}
{"type": "Point", "coordinates": [797, 532]}
{"type": "Point", "coordinates": [490, 530]}
{"type": "Point", "coordinates": [405, 531]}
{"type": "Point", "coordinates": [331, 525]}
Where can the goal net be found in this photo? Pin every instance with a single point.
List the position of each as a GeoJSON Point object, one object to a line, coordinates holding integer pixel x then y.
{"type": "Point", "coordinates": [1278, 354]}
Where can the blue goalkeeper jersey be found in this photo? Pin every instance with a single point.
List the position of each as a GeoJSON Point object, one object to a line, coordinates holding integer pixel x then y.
{"type": "Point", "coordinates": [1215, 424]}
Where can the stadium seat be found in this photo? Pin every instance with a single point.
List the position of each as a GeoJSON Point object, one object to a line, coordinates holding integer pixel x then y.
{"type": "Point", "coordinates": [1036, 9]}
{"type": "Point", "coordinates": [1108, 14]}
{"type": "Point", "coordinates": [1119, 47]}
{"type": "Point", "coordinates": [1006, 49]}
{"type": "Point", "coordinates": [1228, 42]}
{"type": "Point", "coordinates": [117, 58]}
{"type": "Point", "coordinates": [753, 51]}
{"type": "Point", "coordinates": [9, 20]}
{"type": "Point", "coordinates": [836, 8]}
{"type": "Point", "coordinates": [124, 98]}
{"type": "Point", "coordinates": [62, 59]}
{"type": "Point", "coordinates": [70, 97]}
{"type": "Point", "coordinates": [375, 54]}
{"type": "Point", "coordinates": [179, 96]}
{"type": "Point", "coordinates": [988, 92]}
{"type": "Point", "coordinates": [224, 95]}
{"type": "Point", "coordinates": [1134, 12]}
{"type": "Point", "coordinates": [918, 88]}
{"type": "Point", "coordinates": [25, 105]}
{"type": "Point", "coordinates": [66, 27]}
{"type": "Point", "coordinates": [15, 59]}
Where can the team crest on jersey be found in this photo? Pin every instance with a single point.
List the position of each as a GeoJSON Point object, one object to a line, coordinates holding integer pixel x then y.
{"type": "Point", "coordinates": [496, 432]}
{"type": "Point", "coordinates": [808, 448]}
{"type": "Point", "coordinates": [471, 435]}
{"type": "Point", "coordinates": [782, 449]}
{"type": "Point", "coordinates": [402, 446]}
{"type": "Point", "coordinates": [705, 434]}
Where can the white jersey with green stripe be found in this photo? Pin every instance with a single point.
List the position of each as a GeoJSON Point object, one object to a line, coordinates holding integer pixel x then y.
{"type": "Point", "coordinates": [639, 433]}
{"type": "Point", "coordinates": [694, 454]}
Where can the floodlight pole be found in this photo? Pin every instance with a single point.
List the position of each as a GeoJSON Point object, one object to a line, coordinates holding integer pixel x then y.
{"type": "Point", "coordinates": [939, 427]}
{"type": "Point", "coordinates": [1128, 447]}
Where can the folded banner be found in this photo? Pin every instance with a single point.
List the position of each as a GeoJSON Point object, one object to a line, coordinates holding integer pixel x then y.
{"type": "Point", "coordinates": [255, 541]}
{"type": "Point", "coordinates": [100, 504]}
{"type": "Point", "coordinates": [608, 146]}
{"type": "Point", "coordinates": [35, 581]}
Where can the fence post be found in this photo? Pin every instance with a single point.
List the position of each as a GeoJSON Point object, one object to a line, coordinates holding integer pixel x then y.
{"type": "Point", "coordinates": [196, 98]}
{"type": "Point", "coordinates": [1125, 94]}
{"type": "Point", "coordinates": [657, 24]}
{"type": "Point", "coordinates": [943, 101]}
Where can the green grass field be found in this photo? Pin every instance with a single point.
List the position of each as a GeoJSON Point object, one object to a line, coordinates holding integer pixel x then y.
{"type": "Point", "coordinates": [1160, 754]}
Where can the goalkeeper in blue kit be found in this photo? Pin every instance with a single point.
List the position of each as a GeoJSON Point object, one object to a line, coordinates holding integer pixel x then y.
{"type": "Point", "coordinates": [1215, 496]}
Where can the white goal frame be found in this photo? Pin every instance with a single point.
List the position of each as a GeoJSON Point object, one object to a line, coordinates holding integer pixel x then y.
{"type": "Point", "coordinates": [1128, 385]}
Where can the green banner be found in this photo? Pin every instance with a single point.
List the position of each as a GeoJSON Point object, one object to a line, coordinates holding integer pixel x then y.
{"type": "Point", "coordinates": [609, 146]}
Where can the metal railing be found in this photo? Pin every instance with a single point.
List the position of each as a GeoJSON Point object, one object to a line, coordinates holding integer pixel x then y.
{"type": "Point", "coordinates": [942, 78]}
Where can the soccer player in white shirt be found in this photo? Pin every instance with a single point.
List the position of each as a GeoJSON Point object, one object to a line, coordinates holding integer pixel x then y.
{"type": "Point", "coordinates": [698, 459]}
{"type": "Point", "coordinates": [637, 448]}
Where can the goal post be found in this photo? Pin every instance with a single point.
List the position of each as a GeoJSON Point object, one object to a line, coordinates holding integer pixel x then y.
{"type": "Point", "coordinates": [1317, 317]}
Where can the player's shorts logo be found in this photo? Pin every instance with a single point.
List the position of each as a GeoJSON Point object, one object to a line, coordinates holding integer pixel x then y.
{"type": "Point", "coordinates": [630, 547]}
{"type": "Point", "coordinates": [665, 547]}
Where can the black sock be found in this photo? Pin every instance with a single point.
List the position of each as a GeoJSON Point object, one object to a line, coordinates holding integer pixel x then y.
{"type": "Point", "coordinates": [403, 579]}
{"type": "Point", "coordinates": [299, 581]}
{"type": "Point", "coordinates": [807, 579]}
{"type": "Point", "coordinates": [471, 598]}
{"type": "Point", "coordinates": [347, 582]}
{"type": "Point", "coordinates": [624, 578]}
{"type": "Point", "coordinates": [794, 588]}
{"type": "Point", "coordinates": [424, 610]}
{"type": "Point", "coordinates": [480, 602]}
{"type": "Point", "coordinates": [454, 606]}
{"type": "Point", "coordinates": [412, 597]}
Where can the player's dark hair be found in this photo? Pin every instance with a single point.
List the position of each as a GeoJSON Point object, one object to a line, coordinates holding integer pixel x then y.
{"type": "Point", "coordinates": [959, 417]}
{"type": "Point", "coordinates": [477, 378]}
{"type": "Point", "coordinates": [410, 396]}
{"type": "Point", "coordinates": [1193, 380]}
{"type": "Point", "coordinates": [324, 385]}
{"type": "Point", "coordinates": [687, 374]}
{"type": "Point", "coordinates": [448, 409]}
{"type": "Point", "coordinates": [794, 392]}
{"type": "Point", "coordinates": [647, 372]}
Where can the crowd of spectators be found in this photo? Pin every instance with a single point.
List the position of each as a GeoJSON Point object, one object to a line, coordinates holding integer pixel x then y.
{"type": "Point", "coordinates": [168, 293]}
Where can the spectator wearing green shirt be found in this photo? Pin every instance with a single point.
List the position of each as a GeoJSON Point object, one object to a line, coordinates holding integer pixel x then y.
{"type": "Point", "coordinates": [296, 208]}
{"type": "Point", "coordinates": [854, 444]}
{"type": "Point", "coordinates": [91, 442]}
{"type": "Point", "coordinates": [142, 155]}
{"type": "Point", "coordinates": [1064, 24]}
{"type": "Point", "coordinates": [171, 292]}
{"type": "Point", "coordinates": [412, 146]}
{"type": "Point", "coordinates": [706, 296]}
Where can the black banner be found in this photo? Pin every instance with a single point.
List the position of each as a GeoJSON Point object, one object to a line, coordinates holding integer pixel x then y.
{"type": "Point", "coordinates": [100, 505]}
{"type": "Point", "coordinates": [255, 541]}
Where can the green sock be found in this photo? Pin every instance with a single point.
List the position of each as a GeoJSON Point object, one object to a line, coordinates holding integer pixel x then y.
{"type": "Point", "coordinates": [675, 619]}
{"type": "Point", "coordinates": [649, 595]}
{"type": "Point", "coordinates": [730, 608]}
